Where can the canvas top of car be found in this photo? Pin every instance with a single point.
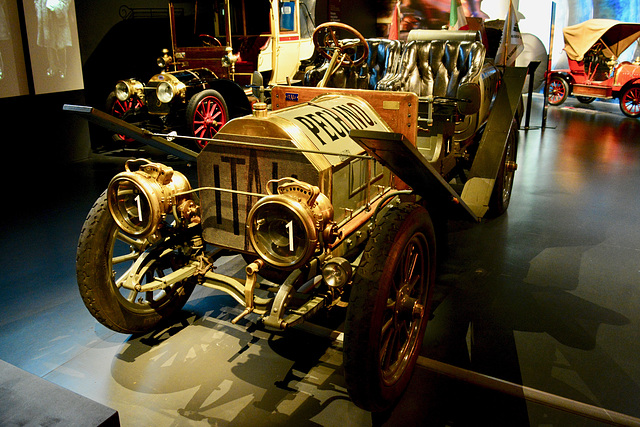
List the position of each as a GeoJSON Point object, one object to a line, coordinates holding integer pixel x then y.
{"type": "Point", "coordinates": [615, 36]}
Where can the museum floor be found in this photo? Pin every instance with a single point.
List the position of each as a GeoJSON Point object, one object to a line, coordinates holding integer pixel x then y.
{"type": "Point", "coordinates": [547, 296]}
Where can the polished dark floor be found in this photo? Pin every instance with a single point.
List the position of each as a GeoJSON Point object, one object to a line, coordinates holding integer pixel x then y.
{"type": "Point", "coordinates": [547, 296]}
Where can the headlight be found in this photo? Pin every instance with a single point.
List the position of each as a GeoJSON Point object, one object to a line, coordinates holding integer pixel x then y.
{"type": "Point", "coordinates": [337, 272]}
{"type": "Point", "coordinates": [125, 89]}
{"type": "Point", "coordinates": [285, 229]}
{"type": "Point", "coordinates": [165, 92]}
{"type": "Point", "coordinates": [281, 232]}
{"type": "Point", "coordinates": [139, 200]}
{"type": "Point", "coordinates": [168, 87]}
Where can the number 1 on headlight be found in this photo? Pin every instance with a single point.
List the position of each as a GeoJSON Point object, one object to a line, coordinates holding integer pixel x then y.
{"type": "Point", "coordinates": [290, 228]}
{"type": "Point", "coordinates": [137, 199]}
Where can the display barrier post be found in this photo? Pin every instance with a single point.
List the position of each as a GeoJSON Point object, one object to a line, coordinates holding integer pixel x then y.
{"type": "Point", "coordinates": [533, 66]}
{"type": "Point", "coordinates": [546, 79]}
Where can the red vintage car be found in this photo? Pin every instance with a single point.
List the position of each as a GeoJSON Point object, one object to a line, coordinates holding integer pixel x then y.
{"type": "Point", "coordinates": [593, 48]}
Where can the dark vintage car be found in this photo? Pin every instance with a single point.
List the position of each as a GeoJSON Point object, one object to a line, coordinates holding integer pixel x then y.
{"type": "Point", "coordinates": [204, 83]}
{"type": "Point", "coordinates": [593, 48]}
{"type": "Point", "coordinates": [334, 197]}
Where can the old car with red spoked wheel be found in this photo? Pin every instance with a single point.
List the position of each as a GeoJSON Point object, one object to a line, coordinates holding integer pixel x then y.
{"type": "Point", "coordinates": [205, 78]}
{"type": "Point", "coordinates": [593, 50]}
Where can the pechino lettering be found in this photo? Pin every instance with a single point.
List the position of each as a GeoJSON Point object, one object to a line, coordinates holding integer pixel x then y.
{"type": "Point", "coordinates": [336, 122]}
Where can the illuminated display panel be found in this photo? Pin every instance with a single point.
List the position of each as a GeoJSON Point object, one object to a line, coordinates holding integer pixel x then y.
{"type": "Point", "coordinates": [52, 33]}
{"type": "Point", "coordinates": [13, 73]}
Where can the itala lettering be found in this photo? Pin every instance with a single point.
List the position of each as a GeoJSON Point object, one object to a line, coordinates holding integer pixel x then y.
{"type": "Point", "coordinates": [233, 161]}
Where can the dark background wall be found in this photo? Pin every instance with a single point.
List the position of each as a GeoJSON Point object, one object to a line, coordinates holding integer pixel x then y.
{"type": "Point", "coordinates": [111, 48]}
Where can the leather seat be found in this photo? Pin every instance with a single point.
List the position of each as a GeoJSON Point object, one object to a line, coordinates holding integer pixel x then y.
{"type": "Point", "coordinates": [436, 67]}
{"type": "Point", "coordinates": [432, 62]}
{"type": "Point", "coordinates": [384, 59]}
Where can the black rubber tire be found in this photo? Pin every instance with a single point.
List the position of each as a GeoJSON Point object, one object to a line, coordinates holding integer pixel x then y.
{"type": "Point", "coordinates": [374, 381]}
{"type": "Point", "coordinates": [558, 90]}
{"type": "Point", "coordinates": [206, 113]}
{"type": "Point", "coordinates": [96, 277]}
{"type": "Point", "coordinates": [585, 99]}
{"type": "Point", "coordinates": [630, 101]}
{"type": "Point", "coordinates": [501, 194]}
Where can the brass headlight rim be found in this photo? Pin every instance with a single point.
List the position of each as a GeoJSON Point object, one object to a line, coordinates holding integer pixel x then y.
{"type": "Point", "coordinates": [145, 187]}
{"type": "Point", "coordinates": [178, 88]}
{"type": "Point", "coordinates": [160, 92]}
{"type": "Point", "coordinates": [133, 88]}
{"type": "Point", "coordinates": [302, 212]}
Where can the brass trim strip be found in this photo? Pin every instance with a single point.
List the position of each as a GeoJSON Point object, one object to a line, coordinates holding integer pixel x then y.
{"type": "Point", "coordinates": [266, 146]}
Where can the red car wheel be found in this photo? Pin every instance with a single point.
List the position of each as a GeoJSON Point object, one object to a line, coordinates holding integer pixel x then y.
{"type": "Point", "coordinates": [630, 101]}
{"type": "Point", "coordinates": [558, 90]}
{"type": "Point", "coordinates": [120, 109]}
{"type": "Point", "coordinates": [207, 112]}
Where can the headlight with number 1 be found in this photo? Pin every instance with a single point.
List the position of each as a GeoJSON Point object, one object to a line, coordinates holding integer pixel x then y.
{"type": "Point", "coordinates": [285, 229]}
{"type": "Point", "coordinates": [282, 232]}
{"type": "Point", "coordinates": [140, 200]}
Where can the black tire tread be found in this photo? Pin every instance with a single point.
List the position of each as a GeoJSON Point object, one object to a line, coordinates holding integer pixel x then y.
{"type": "Point", "coordinates": [91, 259]}
{"type": "Point", "coordinates": [358, 372]}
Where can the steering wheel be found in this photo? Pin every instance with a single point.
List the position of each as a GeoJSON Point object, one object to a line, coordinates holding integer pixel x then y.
{"type": "Point", "coordinates": [208, 40]}
{"type": "Point", "coordinates": [326, 42]}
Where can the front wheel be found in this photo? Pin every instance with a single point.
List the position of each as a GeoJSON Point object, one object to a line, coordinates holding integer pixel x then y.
{"type": "Point", "coordinates": [206, 113]}
{"type": "Point", "coordinates": [122, 110]}
{"type": "Point", "coordinates": [558, 90]}
{"type": "Point", "coordinates": [389, 307]}
{"type": "Point", "coordinates": [630, 101]}
{"type": "Point", "coordinates": [106, 257]}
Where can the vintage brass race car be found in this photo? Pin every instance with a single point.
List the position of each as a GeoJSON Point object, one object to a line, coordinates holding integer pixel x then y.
{"type": "Point", "coordinates": [333, 196]}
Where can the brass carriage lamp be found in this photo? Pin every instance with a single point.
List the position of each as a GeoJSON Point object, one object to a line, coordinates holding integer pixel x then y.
{"type": "Point", "coordinates": [165, 60]}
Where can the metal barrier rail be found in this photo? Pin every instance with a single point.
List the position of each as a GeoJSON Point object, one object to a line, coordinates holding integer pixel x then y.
{"type": "Point", "coordinates": [532, 395]}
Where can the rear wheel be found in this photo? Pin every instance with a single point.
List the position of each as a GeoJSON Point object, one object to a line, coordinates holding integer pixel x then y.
{"type": "Point", "coordinates": [501, 195]}
{"type": "Point", "coordinates": [206, 113]}
{"type": "Point", "coordinates": [389, 307]}
{"type": "Point", "coordinates": [558, 90]}
{"type": "Point", "coordinates": [630, 101]}
{"type": "Point", "coordinates": [106, 257]}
